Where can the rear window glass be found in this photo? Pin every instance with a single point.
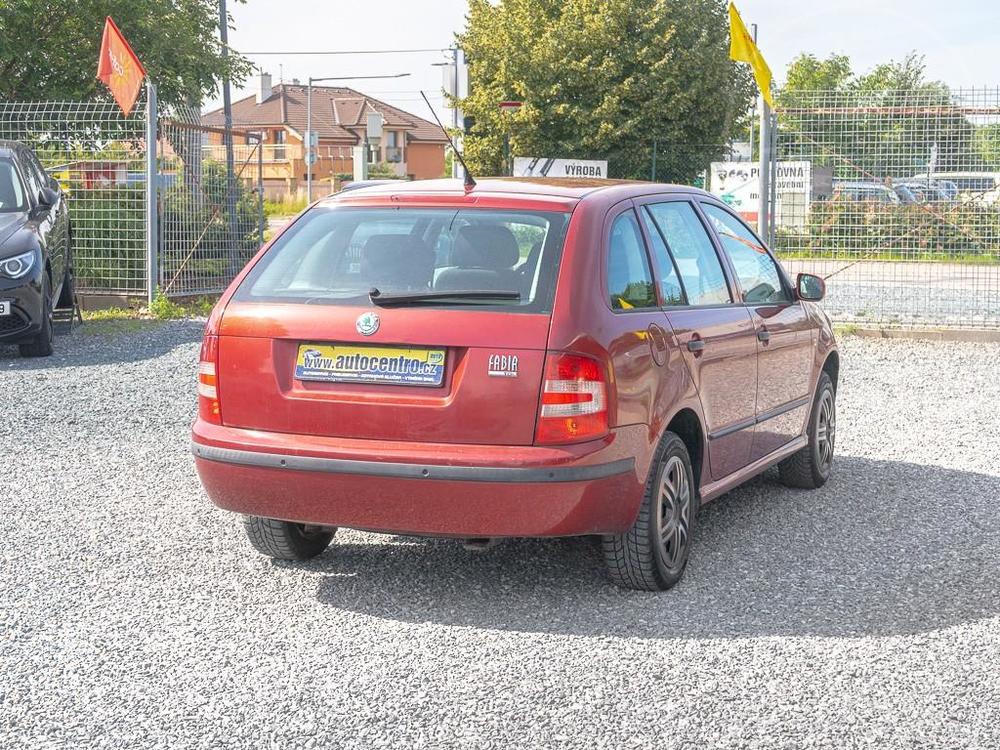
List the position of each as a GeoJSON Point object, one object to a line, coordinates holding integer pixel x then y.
{"type": "Point", "coordinates": [337, 255]}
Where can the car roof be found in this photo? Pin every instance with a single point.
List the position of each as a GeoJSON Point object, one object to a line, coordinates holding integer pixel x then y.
{"type": "Point", "coordinates": [572, 188]}
{"type": "Point", "coordinates": [862, 185]}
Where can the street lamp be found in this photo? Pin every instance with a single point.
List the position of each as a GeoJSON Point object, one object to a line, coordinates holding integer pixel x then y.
{"type": "Point", "coordinates": [310, 156]}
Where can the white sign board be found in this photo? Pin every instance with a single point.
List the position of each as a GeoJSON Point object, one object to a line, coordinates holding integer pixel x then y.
{"type": "Point", "coordinates": [530, 166]}
{"type": "Point", "coordinates": [798, 183]}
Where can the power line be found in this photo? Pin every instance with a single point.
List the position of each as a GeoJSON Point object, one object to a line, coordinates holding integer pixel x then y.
{"type": "Point", "coordinates": [346, 52]}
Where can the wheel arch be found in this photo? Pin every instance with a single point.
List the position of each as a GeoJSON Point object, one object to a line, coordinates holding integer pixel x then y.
{"type": "Point", "coordinates": [832, 367]}
{"type": "Point", "coordinates": [686, 424]}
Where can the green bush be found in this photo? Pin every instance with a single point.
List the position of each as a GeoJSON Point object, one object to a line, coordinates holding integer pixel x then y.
{"type": "Point", "coordinates": [872, 230]}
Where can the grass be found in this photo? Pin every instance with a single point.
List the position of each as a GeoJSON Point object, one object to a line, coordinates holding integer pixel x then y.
{"type": "Point", "coordinates": [162, 308]}
{"type": "Point", "coordinates": [287, 206]}
{"type": "Point", "coordinates": [988, 259]}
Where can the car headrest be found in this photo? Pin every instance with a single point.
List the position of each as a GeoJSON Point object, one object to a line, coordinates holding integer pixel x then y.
{"type": "Point", "coordinates": [399, 258]}
{"type": "Point", "coordinates": [485, 246]}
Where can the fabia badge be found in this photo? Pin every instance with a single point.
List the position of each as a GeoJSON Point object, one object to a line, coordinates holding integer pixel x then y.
{"type": "Point", "coordinates": [502, 366]}
{"type": "Point", "coordinates": [367, 324]}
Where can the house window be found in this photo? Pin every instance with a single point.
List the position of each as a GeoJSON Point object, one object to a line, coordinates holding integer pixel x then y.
{"type": "Point", "coordinates": [279, 144]}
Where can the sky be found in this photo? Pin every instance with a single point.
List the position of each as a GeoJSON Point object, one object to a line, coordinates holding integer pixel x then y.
{"type": "Point", "coordinates": [957, 37]}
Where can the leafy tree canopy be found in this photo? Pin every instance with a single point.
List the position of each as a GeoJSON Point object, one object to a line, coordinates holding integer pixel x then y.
{"type": "Point", "coordinates": [603, 79]}
{"type": "Point", "coordinates": [49, 48]}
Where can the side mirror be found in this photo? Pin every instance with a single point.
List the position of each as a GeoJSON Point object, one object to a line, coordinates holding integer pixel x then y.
{"type": "Point", "coordinates": [810, 288]}
{"type": "Point", "coordinates": [47, 197]}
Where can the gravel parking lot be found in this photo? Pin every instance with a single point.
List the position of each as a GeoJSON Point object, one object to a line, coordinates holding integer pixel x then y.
{"type": "Point", "coordinates": [134, 614]}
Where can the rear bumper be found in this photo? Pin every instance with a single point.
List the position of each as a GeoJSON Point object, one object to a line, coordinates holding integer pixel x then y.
{"type": "Point", "coordinates": [420, 488]}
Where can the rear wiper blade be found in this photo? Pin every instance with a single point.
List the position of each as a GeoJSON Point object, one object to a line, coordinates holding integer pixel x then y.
{"type": "Point", "coordinates": [466, 295]}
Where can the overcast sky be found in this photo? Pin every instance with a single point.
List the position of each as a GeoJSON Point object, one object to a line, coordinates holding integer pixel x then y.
{"type": "Point", "coordinates": [958, 37]}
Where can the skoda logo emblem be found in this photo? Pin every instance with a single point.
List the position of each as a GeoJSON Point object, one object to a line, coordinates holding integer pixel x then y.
{"type": "Point", "coordinates": [367, 324]}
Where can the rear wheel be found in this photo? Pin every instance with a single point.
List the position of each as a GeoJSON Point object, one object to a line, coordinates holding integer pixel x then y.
{"type": "Point", "coordinates": [41, 344]}
{"type": "Point", "coordinates": [810, 467]}
{"type": "Point", "coordinates": [284, 540]}
{"type": "Point", "coordinates": [652, 555]}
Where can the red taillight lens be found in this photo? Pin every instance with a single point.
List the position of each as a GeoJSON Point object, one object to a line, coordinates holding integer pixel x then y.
{"type": "Point", "coordinates": [574, 404]}
{"type": "Point", "coordinates": [209, 407]}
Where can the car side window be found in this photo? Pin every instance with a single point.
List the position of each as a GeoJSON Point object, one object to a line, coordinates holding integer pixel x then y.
{"type": "Point", "coordinates": [35, 165]}
{"type": "Point", "coordinates": [31, 177]}
{"type": "Point", "coordinates": [630, 282]}
{"type": "Point", "coordinates": [671, 290]}
{"type": "Point", "coordinates": [688, 243]}
{"type": "Point", "coordinates": [756, 270]}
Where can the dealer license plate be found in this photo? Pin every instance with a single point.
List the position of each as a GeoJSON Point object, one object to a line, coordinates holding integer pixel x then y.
{"type": "Point", "coordinates": [388, 365]}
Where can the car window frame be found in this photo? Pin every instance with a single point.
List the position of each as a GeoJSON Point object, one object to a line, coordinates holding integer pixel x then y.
{"type": "Point", "coordinates": [782, 274]}
{"type": "Point", "coordinates": [605, 289]}
{"type": "Point", "coordinates": [727, 271]}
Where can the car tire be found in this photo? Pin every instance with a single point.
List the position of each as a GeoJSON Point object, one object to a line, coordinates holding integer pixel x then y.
{"type": "Point", "coordinates": [67, 297]}
{"type": "Point", "coordinates": [284, 540]}
{"type": "Point", "coordinates": [652, 555]}
{"type": "Point", "coordinates": [810, 467]}
{"type": "Point", "coordinates": [41, 344]}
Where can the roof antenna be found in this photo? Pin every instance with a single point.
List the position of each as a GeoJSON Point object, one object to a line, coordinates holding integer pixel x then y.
{"type": "Point", "coordinates": [469, 181]}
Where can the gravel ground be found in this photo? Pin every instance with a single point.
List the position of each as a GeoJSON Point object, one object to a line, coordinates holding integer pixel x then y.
{"type": "Point", "coordinates": [134, 614]}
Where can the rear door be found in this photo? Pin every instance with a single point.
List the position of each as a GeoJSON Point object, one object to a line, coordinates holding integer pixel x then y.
{"type": "Point", "coordinates": [303, 348]}
{"type": "Point", "coordinates": [786, 337]}
{"type": "Point", "coordinates": [715, 334]}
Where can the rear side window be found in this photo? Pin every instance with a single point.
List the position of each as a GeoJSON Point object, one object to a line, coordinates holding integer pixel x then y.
{"type": "Point", "coordinates": [758, 273]}
{"type": "Point", "coordinates": [630, 283]}
{"type": "Point", "coordinates": [693, 252]}
{"type": "Point", "coordinates": [339, 254]}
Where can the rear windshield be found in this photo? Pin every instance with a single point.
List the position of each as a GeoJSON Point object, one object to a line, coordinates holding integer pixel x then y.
{"type": "Point", "coordinates": [338, 255]}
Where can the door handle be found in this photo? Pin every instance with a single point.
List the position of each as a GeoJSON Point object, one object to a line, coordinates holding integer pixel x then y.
{"type": "Point", "coordinates": [695, 345]}
{"type": "Point", "coordinates": [764, 335]}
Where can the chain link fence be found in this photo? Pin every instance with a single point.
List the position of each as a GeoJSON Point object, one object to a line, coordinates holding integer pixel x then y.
{"type": "Point", "coordinates": [208, 225]}
{"type": "Point", "coordinates": [99, 158]}
{"type": "Point", "coordinates": [895, 197]}
{"type": "Point", "coordinates": [211, 220]}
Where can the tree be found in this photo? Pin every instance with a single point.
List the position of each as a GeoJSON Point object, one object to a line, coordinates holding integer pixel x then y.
{"type": "Point", "coordinates": [49, 48]}
{"type": "Point", "coordinates": [603, 79]}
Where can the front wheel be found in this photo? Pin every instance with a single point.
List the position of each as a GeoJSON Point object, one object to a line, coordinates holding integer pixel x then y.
{"type": "Point", "coordinates": [284, 540]}
{"type": "Point", "coordinates": [41, 344]}
{"type": "Point", "coordinates": [810, 467]}
{"type": "Point", "coordinates": [652, 555]}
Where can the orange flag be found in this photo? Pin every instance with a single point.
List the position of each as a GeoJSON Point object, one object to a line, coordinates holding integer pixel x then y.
{"type": "Point", "coordinates": [119, 68]}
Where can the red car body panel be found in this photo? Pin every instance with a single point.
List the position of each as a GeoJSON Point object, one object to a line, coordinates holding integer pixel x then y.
{"type": "Point", "coordinates": [461, 460]}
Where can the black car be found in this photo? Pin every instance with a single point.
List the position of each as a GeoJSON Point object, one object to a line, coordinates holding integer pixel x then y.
{"type": "Point", "coordinates": [35, 254]}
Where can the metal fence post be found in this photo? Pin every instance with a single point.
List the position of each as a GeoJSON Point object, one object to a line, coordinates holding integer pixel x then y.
{"type": "Point", "coordinates": [764, 172]}
{"type": "Point", "coordinates": [152, 183]}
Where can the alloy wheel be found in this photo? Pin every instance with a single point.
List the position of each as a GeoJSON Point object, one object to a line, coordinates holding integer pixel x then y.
{"type": "Point", "coordinates": [826, 430]}
{"type": "Point", "coordinates": [674, 509]}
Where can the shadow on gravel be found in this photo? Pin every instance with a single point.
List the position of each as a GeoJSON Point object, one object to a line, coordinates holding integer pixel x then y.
{"type": "Point", "coordinates": [107, 342]}
{"type": "Point", "coordinates": [885, 548]}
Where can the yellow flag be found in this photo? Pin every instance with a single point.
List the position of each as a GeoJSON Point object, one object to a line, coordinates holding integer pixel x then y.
{"type": "Point", "coordinates": [743, 49]}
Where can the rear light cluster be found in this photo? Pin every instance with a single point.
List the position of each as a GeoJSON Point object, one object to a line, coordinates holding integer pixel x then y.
{"type": "Point", "coordinates": [574, 404]}
{"type": "Point", "coordinates": [209, 407]}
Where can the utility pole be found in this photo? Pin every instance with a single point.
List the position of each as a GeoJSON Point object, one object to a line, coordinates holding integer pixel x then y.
{"type": "Point", "coordinates": [227, 140]}
{"type": "Point", "coordinates": [310, 155]}
{"type": "Point", "coordinates": [753, 108]}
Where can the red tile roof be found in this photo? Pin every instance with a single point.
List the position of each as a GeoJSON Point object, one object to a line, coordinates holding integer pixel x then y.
{"type": "Point", "coordinates": [337, 112]}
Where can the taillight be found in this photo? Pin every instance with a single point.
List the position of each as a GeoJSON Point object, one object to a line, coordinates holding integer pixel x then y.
{"type": "Point", "coordinates": [209, 407]}
{"type": "Point", "coordinates": [574, 404]}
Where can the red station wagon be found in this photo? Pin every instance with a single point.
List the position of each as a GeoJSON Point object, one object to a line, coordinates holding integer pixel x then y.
{"type": "Point", "coordinates": [518, 358]}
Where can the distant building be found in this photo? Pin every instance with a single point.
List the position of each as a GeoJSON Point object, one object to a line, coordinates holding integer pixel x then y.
{"type": "Point", "coordinates": [411, 146]}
